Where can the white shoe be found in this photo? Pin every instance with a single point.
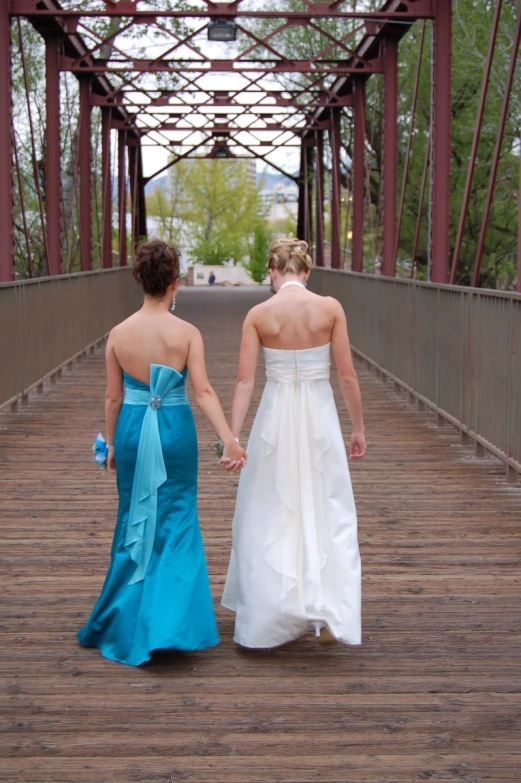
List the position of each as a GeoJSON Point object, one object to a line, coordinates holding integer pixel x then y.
{"type": "Point", "coordinates": [323, 634]}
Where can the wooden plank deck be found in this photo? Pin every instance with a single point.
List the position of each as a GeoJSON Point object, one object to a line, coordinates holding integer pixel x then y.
{"type": "Point", "coordinates": [432, 694]}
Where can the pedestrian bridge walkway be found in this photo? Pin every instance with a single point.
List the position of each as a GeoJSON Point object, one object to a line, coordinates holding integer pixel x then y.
{"type": "Point", "coordinates": [432, 694]}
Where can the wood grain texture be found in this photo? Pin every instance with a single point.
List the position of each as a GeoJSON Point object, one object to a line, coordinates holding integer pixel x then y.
{"type": "Point", "coordinates": [432, 694]}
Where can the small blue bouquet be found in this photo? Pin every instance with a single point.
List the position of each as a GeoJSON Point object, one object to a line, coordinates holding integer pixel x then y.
{"type": "Point", "coordinates": [100, 451]}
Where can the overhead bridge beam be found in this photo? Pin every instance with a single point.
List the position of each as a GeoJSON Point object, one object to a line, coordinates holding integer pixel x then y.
{"type": "Point", "coordinates": [338, 67]}
{"type": "Point", "coordinates": [210, 107]}
{"type": "Point", "coordinates": [219, 130]}
{"type": "Point", "coordinates": [413, 9]}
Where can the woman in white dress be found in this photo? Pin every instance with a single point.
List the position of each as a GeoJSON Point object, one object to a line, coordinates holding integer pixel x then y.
{"type": "Point", "coordinates": [295, 564]}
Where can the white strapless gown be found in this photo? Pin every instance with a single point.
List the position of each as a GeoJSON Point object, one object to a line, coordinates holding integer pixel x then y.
{"type": "Point", "coordinates": [295, 557]}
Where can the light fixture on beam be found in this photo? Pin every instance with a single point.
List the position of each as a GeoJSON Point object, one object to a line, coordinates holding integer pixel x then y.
{"type": "Point", "coordinates": [221, 150]}
{"type": "Point", "coordinates": [222, 30]}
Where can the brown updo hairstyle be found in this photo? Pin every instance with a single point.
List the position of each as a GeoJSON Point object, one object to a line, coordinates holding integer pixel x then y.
{"type": "Point", "coordinates": [155, 267]}
{"type": "Point", "coordinates": [289, 256]}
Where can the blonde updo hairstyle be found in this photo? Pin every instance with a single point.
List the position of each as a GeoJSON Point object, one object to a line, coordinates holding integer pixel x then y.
{"type": "Point", "coordinates": [289, 256]}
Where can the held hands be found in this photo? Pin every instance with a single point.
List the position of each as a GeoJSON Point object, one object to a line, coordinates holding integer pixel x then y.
{"type": "Point", "coordinates": [234, 456]}
{"type": "Point", "coordinates": [358, 446]}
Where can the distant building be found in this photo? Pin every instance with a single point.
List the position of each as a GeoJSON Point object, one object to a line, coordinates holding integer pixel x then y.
{"type": "Point", "coordinates": [267, 199]}
{"type": "Point", "coordinates": [252, 171]}
{"type": "Point", "coordinates": [286, 194]}
{"type": "Point", "coordinates": [223, 275]}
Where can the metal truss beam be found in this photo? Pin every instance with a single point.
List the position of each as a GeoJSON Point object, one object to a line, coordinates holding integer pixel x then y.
{"type": "Point", "coordinates": [319, 199]}
{"type": "Point", "coordinates": [6, 150]}
{"type": "Point", "coordinates": [416, 9]}
{"type": "Point", "coordinates": [334, 139]}
{"type": "Point", "coordinates": [314, 100]}
{"type": "Point", "coordinates": [122, 197]}
{"type": "Point", "coordinates": [176, 67]}
{"type": "Point", "coordinates": [441, 142]}
{"type": "Point", "coordinates": [53, 155]}
{"type": "Point", "coordinates": [390, 156]}
{"type": "Point", "coordinates": [221, 130]}
{"type": "Point", "coordinates": [106, 189]}
{"type": "Point", "coordinates": [85, 176]}
{"type": "Point", "coordinates": [358, 177]}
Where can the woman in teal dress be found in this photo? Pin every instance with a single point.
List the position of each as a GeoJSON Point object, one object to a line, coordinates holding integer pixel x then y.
{"type": "Point", "coordinates": [156, 594]}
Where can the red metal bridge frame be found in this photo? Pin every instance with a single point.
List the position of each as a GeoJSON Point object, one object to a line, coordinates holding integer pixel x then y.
{"type": "Point", "coordinates": [377, 52]}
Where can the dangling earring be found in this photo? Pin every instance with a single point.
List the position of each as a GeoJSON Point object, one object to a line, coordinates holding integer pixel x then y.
{"type": "Point", "coordinates": [172, 306]}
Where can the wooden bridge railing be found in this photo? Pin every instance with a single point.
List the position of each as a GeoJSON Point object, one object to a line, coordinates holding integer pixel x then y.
{"type": "Point", "coordinates": [46, 323]}
{"type": "Point", "coordinates": [456, 350]}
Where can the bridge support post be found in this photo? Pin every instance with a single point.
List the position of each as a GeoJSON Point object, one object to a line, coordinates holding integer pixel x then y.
{"type": "Point", "coordinates": [302, 193]}
{"type": "Point", "coordinates": [6, 150]}
{"type": "Point", "coordinates": [441, 142]}
{"type": "Point", "coordinates": [518, 287]}
{"type": "Point", "coordinates": [389, 164]}
{"type": "Point", "coordinates": [53, 156]}
{"type": "Point", "coordinates": [142, 204]}
{"type": "Point", "coordinates": [305, 192]}
{"type": "Point", "coordinates": [106, 188]}
{"type": "Point", "coordinates": [319, 194]}
{"type": "Point", "coordinates": [122, 197]}
{"type": "Point", "coordinates": [334, 137]}
{"type": "Point", "coordinates": [85, 159]}
{"type": "Point", "coordinates": [137, 192]}
{"type": "Point", "coordinates": [310, 152]}
{"type": "Point", "coordinates": [132, 174]}
{"type": "Point", "coordinates": [357, 263]}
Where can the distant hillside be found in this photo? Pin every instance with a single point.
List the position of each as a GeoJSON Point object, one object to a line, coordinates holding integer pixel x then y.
{"type": "Point", "coordinates": [157, 184]}
{"type": "Point", "coordinates": [271, 179]}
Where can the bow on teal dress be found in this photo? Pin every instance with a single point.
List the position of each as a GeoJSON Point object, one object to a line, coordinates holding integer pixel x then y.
{"type": "Point", "coordinates": [156, 594]}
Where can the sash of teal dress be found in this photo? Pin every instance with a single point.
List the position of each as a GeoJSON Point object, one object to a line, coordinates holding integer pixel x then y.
{"type": "Point", "coordinates": [150, 472]}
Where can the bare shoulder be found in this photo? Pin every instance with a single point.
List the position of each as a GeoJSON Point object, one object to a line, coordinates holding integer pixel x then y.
{"type": "Point", "coordinates": [328, 304]}
{"type": "Point", "coordinates": [190, 331]}
{"type": "Point", "coordinates": [256, 312]}
{"type": "Point", "coordinates": [122, 327]}
{"type": "Point", "coordinates": [113, 334]}
{"type": "Point", "coordinates": [180, 323]}
{"type": "Point", "coordinates": [119, 330]}
{"type": "Point", "coordinates": [333, 306]}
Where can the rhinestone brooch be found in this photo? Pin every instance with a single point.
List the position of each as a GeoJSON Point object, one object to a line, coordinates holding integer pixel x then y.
{"type": "Point", "coordinates": [155, 402]}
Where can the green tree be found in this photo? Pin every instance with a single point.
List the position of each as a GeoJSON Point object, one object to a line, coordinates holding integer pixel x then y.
{"type": "Point", "coordinates": [163, 204]}
{"type": "Point", "coordinates": [257, 266]}
{"type": "Point", "coordinates": [213, 205]}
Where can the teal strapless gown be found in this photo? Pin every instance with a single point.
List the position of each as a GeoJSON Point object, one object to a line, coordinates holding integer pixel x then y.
{"type": "Point", "coordinates": [156, 594]}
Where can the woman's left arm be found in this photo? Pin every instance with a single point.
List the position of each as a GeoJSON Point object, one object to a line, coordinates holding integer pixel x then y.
{"type": "Point", "coordinates": [113, 399]}
{"type": "Point", "coordinates": [245, 382]}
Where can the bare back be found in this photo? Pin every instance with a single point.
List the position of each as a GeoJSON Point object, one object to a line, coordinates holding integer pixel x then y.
{"type": "Point", "coordinates": [151, 338]}
{"type": "Point", "coordinates": [295, 319]}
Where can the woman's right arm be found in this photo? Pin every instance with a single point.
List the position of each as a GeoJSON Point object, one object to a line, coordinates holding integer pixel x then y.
{"type": "Point", "coordinates": [348, 379]}
{"type": "Point", "coordinates": [113, 399]}
{"type": "Point", "coordinates": [245, 382]}
{"type": "Point", "coordinates": [208, 401]}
